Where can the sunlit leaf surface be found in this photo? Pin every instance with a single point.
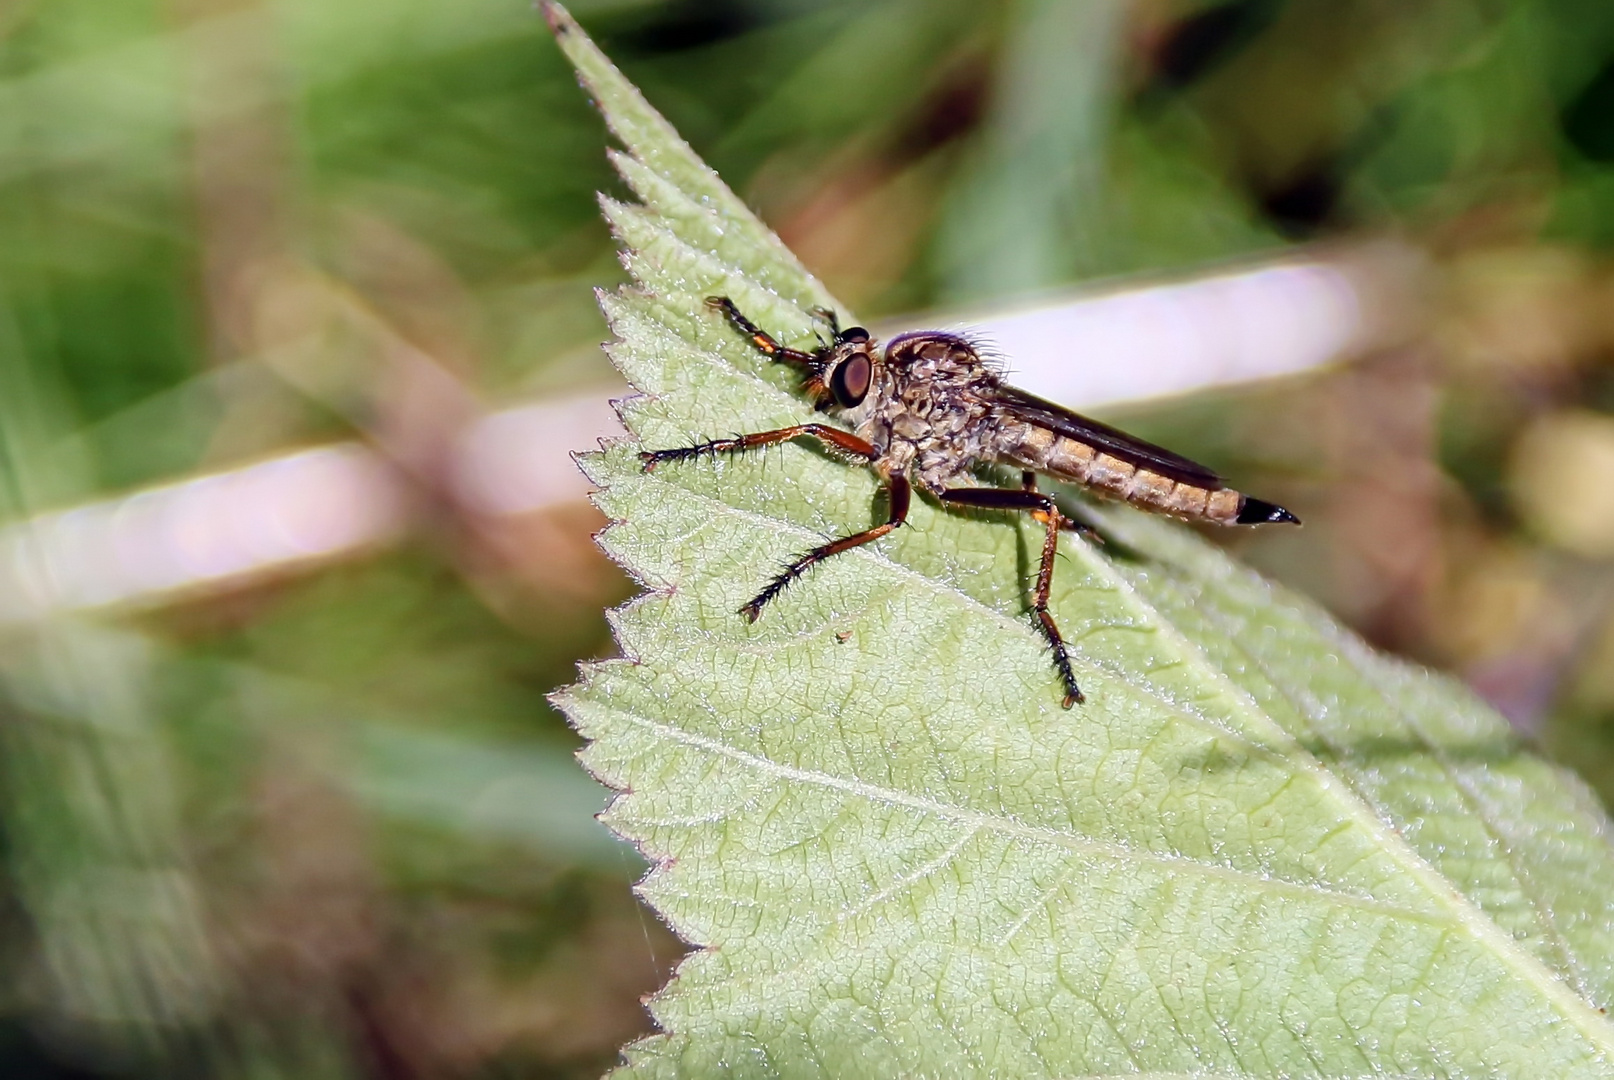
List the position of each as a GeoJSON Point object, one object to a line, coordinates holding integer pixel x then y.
{"type": "Point", "coordinates": [1259, 850]}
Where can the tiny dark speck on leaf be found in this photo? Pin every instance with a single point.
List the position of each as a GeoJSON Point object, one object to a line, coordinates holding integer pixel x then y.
{"type": "Point", "coordinates": [560, 23]}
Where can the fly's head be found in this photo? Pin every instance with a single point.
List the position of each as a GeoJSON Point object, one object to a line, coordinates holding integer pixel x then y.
{"type": "Point", "coordinates": [845, 370]}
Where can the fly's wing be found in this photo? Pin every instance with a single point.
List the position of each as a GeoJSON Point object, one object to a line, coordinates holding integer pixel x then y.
{"type": "Point", "coordinates": [1017, 405]}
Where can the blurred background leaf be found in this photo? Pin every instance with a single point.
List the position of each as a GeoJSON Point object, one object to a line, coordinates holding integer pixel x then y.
{"type": "Point", "coordinates": [324, 823]}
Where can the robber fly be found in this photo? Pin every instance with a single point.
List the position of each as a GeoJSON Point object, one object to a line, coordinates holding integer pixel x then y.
{"type": "Point", "coordinates": [929, 408]}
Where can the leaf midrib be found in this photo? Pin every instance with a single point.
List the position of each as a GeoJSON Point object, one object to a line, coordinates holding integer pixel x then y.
{"type": "Point", "coordinates": [1007, 825]}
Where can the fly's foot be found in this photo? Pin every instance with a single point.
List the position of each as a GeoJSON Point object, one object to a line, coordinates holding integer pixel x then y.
{"type": "Point", "coordinates": [649, 459]}
{"type": "Point", "coordinates": [1056, 645]}
{"type": "Point", "coordinates": [754, 606]}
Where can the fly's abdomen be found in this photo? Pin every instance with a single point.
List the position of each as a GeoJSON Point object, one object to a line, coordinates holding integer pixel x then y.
{"type": "Point", "coordinates": [1113, 477]}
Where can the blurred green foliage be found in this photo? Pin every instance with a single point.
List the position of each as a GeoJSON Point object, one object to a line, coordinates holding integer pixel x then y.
{"type": "Point", "coordinates": [328, 825]}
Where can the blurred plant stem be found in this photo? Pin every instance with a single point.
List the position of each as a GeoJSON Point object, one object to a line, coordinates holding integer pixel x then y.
{"type": "Point", "coordinates": [1029, 211]}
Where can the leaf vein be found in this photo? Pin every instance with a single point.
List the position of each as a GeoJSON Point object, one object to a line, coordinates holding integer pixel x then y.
{"type": "Point", "coordinates": [1014, 827]}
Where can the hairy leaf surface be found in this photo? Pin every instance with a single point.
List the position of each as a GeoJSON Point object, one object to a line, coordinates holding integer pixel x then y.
{"type": "Point", "coordinates": [1259, 850]}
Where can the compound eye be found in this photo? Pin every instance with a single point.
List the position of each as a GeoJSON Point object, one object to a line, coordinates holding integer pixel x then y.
{"type": "Point", "coordinates": [849, 382]}
{"type": "Point", "coordinates": [854, 335]}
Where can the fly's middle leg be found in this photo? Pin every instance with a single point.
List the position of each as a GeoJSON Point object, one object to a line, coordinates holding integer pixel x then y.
{"type": "Point", "coordinates": [845, 442]}
{"type": "Point", "coordinates": [1028, 482]}
{"type": "Point", "coordinates": [900, 499]}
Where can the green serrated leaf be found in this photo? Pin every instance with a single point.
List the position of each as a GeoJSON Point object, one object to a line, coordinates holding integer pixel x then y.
{"type": "Point", "coordinates": [1259, 850]}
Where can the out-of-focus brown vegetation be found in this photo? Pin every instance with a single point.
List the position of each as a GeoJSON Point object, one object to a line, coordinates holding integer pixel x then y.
{"type": "Point", "coordinates": [326, 824]}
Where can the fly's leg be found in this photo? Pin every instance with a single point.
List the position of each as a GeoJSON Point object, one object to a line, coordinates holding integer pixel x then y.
{"type": "Point", "coordinates": [844, 441]}
{"type": "Point", "coordinates": [1028, 482]}
{"type": "Point", "coordinates": [760, 338]}
{"type": "Point", "coordinates": [1042, 508]}
{"type": "Point", "coordinates": [900, 497]}
{"type": "Point", "coordinates": [828, 318]}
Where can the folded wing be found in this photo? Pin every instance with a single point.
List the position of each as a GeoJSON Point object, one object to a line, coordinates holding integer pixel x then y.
{"type": "Point", "coordinates": [1017, 405]}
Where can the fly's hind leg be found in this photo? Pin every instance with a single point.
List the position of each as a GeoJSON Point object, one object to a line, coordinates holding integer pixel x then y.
{"type": "Point", "coordinates": [1042, 508]}
{"type": "Point", "coordinates": [1028, 482]}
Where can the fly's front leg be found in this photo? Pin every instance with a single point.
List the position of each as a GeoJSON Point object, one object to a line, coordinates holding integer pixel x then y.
{"type": "Point", "coordinates": [901, 496]}
{"type": "Point", "coordinates": [828, 318]}
{"type": "Point", "coordinates": [844, 441]}
{"type": "Point", "coordinates": [760, 338]}
{"type": "Point", "coordinates": [1042, 508]}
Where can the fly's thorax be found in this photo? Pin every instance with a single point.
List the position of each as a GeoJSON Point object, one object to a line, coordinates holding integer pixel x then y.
{"type": "Point", "coordinates": [937, 359]}
{"type": "Point", "coordinates": [931, 413]}
{"type": "Point", "coordinates": [938, 387]}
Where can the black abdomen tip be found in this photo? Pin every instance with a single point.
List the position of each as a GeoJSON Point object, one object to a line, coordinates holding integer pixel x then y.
{"type": "Point", "coordinates": [1260, 512]}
